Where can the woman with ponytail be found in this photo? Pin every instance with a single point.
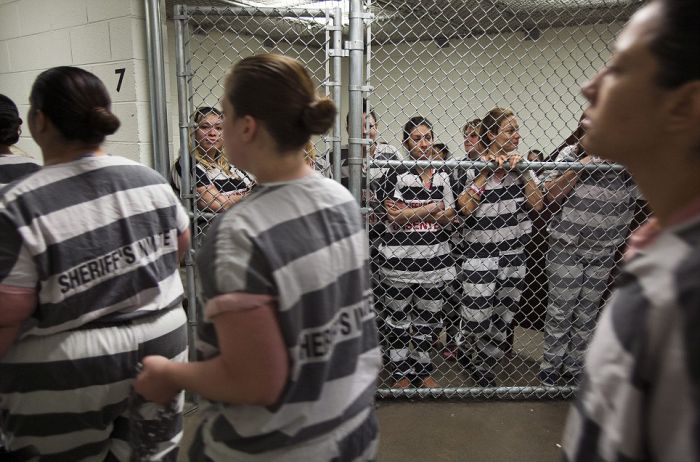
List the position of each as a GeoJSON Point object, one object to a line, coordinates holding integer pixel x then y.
{"type": "Point", "coordinates": [288, 345]}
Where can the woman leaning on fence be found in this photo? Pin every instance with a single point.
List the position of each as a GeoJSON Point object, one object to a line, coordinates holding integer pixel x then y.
{"type": "Point", "coordinates": [217, 184]}
{"type": "Point", "coordinates": [415, 258]}
{"type": "Point", "coordinates": [89, 252]}
{"type": "Point", "coordinates": [594, 210]}
{"type": "Point", "coordinates": [287, 344]}
{"type": "Point", "coordinates": [494, 230]}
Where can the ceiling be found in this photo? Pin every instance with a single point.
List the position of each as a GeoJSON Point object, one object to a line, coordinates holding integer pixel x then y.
{"type": "Point", "coordinates": [439, 20]}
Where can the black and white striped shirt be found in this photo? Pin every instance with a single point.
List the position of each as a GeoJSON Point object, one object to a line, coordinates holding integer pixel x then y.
{"type": "Point", "coordinates": [236, 183]}
{"type": "Point", "coordinates": [500, 223]}
{"type": "Point", "coordinates": [97, 237]}
{"type": "Point", "coordinates": [14, 167]}
{"type": "Point", "coordinates": [303, 243]}
{"type": "Point", "coordinates": [417, 253]}
{"type": "Point", "coordinates": [599, 209]}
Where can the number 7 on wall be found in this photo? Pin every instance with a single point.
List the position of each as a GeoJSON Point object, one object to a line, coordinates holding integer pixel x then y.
{"type": "Point", "coordinates": [121, 71]}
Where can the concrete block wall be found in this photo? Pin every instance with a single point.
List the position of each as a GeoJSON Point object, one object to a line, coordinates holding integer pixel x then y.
{"type": "Point", "coordinates": [106, 37]}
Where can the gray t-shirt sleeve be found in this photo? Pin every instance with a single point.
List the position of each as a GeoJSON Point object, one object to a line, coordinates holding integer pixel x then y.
{"type": "Point", "coordinates": [235, 264]}
{"type": "Point", "coordinates": [568, 154]}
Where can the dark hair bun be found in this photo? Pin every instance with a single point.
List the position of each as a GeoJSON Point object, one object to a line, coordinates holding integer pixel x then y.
{"type": "Point", "coordinates": [102, 122]}
{"type": "Point", "coordinates": [9, 121]}
{"type": "Point", "coordinates": [319, 115]}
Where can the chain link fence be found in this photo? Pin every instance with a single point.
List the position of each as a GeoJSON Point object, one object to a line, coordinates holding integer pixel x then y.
{"type": "Point", "coordinates": [488, 278]}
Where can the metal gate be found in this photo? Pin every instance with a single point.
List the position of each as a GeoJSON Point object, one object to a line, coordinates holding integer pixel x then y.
{"type": "Point", "coordinates": [481, 328]}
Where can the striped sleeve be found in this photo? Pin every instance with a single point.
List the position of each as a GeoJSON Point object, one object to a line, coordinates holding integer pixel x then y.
{"type": "Point", "coordinates": [231, 262]}
{"type": "Point", "coordinates": [16, 265]}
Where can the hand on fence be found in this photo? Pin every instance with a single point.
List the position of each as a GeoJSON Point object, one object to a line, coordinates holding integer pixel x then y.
{"type": "Point", "coordinates": [152, 382]}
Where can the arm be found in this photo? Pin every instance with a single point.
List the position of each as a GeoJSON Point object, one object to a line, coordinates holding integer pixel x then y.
{"type": "Point", "coordinates": [252, 367]}
{"type": "Point", "coordinates": [209, 198]}
{"type": "Point", "coordinates": [399, 213]}
{"type": "Point", "coordinates": [183, 244]}
{"type": "Point", "coordinates": [561, 186]}
{"type": "Point", "coordinates": [16, 305]}
{"type": "Point", "coordinates": [533, 193]}
{"type": "Point", "coordinates": [445, 217]}
{"type": "Point", "coordinates": [468, 201]}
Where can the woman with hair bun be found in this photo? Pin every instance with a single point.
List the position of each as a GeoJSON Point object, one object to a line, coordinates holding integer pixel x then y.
{"type": "Point", "coordinates": [12, 166]}
{"type": "Point", "coordinates": [287, 338]}
{"type": "Point", "coordinates": [89, 284]}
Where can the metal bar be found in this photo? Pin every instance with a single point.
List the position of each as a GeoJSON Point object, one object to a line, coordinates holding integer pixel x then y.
{"type": "Point", "coordinates": [251, 11]}
{"type": "Point", "coordinates": [522, 166]}
{"type": "Point", "coordinates": [185, 185]}
{"type": "Point", "coordinates": [356, 40]}
{"type": "Point", "coordinates": [538, 392]}
{"type": "Point", "coordinates": [158, 102]}
{"type": "Point", "coordinates": [337, 77]}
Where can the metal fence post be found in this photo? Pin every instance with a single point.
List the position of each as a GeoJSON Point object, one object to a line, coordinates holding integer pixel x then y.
{"type": "Point", "coordinates": [156, 78]}
{"type": "Point", "coordinates": [355, 45]}
{"type": "Point", "coordinates": [186, 190]}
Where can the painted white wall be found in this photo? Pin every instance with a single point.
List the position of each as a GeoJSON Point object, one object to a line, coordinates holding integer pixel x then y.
{"type": "Point", "coordinates": [540, 80]}
{"type": "Point", "coordinates": [101, 36]}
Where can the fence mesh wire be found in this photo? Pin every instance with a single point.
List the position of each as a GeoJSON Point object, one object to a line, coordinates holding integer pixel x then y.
{"type": "Point", "coordinates": [488, 281]}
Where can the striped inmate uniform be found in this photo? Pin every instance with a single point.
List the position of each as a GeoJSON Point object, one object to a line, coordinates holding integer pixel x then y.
{"type": "Point", "coordinates": [492, 245]}
{"type": "Point", "coordinates": [640, 396]}
{"type": "Point", "coordinates": [585, 234]}
{"type": "Point", "coordinates": [238, 182]}
{"type": "Point", "coordinates": [97, 237]}
{"type": "Point", "coordinates": [14, 167]}
{"type": "Point", "coordinates": [416, 263]}
{"type": "Point", "coordinates": [303, 243]}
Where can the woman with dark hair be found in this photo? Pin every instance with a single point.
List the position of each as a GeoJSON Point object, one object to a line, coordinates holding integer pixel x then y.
{"type": "Point", "coordinates": [594, 210]}
{"type": "Point", "coordinates": [640, 398]}
{"type": "Point", "coordinates": [287, 342]}
{"type": "Point", "coordinates": [494, 231]}
{"type": "Point", "coordinates": [217, 184]}
{"type": "Point", "coordinates": [89, 283]}
{"type": "Point", "coordinates": [12, 166]}
{"type": "Point", "coordinates": [415, 259]}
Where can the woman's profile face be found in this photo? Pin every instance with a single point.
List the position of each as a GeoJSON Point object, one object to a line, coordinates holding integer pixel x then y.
{"type": "Point", "coordinates": [208, 135]}
{"type": "Point", "coordinates": [622, 118]}
{"type": "Point", "coordinates": [508, 137]}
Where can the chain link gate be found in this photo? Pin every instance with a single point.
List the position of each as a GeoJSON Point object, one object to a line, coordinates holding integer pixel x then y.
{"type": "Point", "coordinates": [466, 300]}
{"type": "Point", "coordinates": [500, 297]}
{"type": "Point", "coordinates": [209, 39]}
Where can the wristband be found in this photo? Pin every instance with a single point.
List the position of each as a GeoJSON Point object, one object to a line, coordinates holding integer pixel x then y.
{"type": "Point", "coordinates": [531, 176]}
{"type": "Point", "coordinates": [479, 191]}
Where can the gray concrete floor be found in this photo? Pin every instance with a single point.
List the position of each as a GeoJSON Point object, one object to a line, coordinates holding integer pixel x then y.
{"type": "Point", "coordinates": [467, 431]}
{"type": "Point", "coordinates": [498, 431]}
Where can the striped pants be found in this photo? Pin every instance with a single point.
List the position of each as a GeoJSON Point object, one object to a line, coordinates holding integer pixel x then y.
{"type": "Point", "coordinates": [413, 320]}
{"type": "Point", "coordinates": [68, 396]}
{"type": "Point", "coordinates": [490, 289]}
{"type": "Point", "coordinates": [577, 281]}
